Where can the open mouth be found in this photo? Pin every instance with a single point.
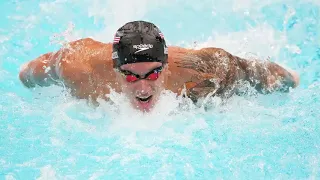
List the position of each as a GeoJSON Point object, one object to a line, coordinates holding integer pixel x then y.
{"type": "Point", "coordinates": [144, 99]}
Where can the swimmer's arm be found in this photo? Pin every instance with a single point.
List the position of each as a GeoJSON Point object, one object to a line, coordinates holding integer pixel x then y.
{"type": "Point", "coordinates": [264, 76]}
{"type": "Point", "coordinates": [226, 69]}
{"type": "Point", "coordinates": [267, 76]}
{"type": "Point", "coordinates": [41, 71]}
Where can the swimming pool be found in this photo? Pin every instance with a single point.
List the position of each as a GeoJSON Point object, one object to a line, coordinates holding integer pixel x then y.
{"type": "Point", "coordinates": [46, 134]}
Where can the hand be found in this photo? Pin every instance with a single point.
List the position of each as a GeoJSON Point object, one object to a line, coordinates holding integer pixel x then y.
{"type": "Point", "coordinates": [282, 79]}
{"type": "Point", "coordinates": [295, 77]}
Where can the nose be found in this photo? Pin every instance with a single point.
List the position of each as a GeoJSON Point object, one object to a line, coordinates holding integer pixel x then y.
{"type": "Point", "coordinates": [143, 87]}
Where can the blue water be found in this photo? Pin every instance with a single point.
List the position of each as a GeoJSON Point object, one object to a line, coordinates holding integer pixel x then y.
{"type": "Point", "coordinates": [46, 134]}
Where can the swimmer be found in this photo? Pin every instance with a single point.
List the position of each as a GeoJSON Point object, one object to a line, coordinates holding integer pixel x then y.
{"type": "Point", "coordinates": [139, 64]}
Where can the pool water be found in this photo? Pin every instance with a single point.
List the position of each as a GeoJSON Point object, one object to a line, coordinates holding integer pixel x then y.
{"type": "Point", "coordinates": [47, 134]}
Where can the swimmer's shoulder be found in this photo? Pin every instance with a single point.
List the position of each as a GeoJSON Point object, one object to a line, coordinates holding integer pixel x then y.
{"type": "Point", "coordinates": [88, 43]}
{"type": "Point", "coordinates": [83, 56]}
{"type": "Point", "coordinates": [85, 52]}
{"type": "Point", "coordinates": [177, 53]}
{"type": "Point", "coordinates": [88, 49]}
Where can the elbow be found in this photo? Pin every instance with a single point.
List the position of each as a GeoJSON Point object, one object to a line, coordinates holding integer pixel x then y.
{"type": "Point", "coordinates": [292, 81]}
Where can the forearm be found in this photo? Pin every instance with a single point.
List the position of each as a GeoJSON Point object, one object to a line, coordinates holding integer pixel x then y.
{"type": "Point", "coordinates": [280, 78]}
{"type": "Point", "coordinates": [268, 76]}
{"type": "Point", "coordinates": [39, 72]}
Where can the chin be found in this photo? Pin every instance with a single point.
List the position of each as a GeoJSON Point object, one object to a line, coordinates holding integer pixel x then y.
{"type": "Point", "coordinates": [144, 104]}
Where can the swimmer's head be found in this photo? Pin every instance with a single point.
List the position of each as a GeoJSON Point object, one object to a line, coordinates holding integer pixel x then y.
{"type": "Point", "coordinates": [140, 58]}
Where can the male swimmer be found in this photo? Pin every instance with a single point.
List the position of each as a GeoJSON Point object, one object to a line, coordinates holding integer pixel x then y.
{"type": "Point", "coordinates": [139, 64]}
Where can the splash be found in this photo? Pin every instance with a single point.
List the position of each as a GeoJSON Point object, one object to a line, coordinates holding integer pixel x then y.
{"type": "Point", "coordinates": [47, 172]}
{"type": "Point", "coordinates": [273, 136]}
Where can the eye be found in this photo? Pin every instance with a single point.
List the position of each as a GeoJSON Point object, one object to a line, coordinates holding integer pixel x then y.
{"type": "Point", "coordinates": [153, 76]}
{"type": "Point", "coordinates": [157, 70]}
{"type": "Point", "coordinates": [131, 78]}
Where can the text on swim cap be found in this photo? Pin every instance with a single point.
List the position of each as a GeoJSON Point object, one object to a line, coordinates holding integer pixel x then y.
{"type": "Point", "coordinates": [143, 46]}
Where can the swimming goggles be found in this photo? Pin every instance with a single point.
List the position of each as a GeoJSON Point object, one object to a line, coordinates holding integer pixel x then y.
{"type": "Point", "coordinates": [132, 77]}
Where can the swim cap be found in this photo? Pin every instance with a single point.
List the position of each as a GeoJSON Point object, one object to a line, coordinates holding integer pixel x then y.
{"type": "Point", "coordinates": [139, 41]}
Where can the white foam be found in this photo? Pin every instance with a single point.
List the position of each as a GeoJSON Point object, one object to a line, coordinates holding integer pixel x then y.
{"type": "Point", "coordinates": [115, 16]}
{"type": "Point", "coordinates": [66, 36]}
{"type": "Point", "coordinates": [10, 177]}
{"type": "Point", "coordinates": [96, 175]}
{"type": "Point", "coordinates": [52, 7]}
{"type": "Point", "coordinates": [262, 41]}
{"type": "Point", "coordinates": [57, 142]}
{"type": "Point", "coordinates": [4, 38]}
{"type": "Point", "coordinates": [47, 172]}
{"type": "Point", "coordinates": [129, 118]}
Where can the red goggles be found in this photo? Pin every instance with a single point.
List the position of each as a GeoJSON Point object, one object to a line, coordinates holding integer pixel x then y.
{"type": "Point", "coordinates": [152, 75]}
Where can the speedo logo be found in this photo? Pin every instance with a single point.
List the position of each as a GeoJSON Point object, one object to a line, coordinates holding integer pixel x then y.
{"type": "Point", "coordinates": [142, 47]}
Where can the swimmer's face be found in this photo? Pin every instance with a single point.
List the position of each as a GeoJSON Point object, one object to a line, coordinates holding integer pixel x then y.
{"type": "Point", "coordinates": [142, 93]}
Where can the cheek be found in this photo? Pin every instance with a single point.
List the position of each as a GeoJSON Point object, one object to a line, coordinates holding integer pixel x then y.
{"type": "Point", "coordinates": [157, 86]}
{"type": "Point", "coordinates": [128, 88]}
{"type": "Point", "coordinates": [125, 86]}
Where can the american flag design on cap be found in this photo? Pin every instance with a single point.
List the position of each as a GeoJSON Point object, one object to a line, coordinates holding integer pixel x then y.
{"type": "Point", "coordinates": [161, 35]}
{"type": "Point", "coordinates": [116, 39]}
